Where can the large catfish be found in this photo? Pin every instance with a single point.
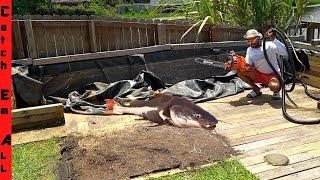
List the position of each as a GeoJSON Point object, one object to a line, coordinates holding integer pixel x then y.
{"type": "Point", "coordinates": [162, 108]}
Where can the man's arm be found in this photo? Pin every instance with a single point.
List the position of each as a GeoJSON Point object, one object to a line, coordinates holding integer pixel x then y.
{"type": "Point", "coordinates": [248, 59]}
{"type": "Point", "coordinates": [277, 46]}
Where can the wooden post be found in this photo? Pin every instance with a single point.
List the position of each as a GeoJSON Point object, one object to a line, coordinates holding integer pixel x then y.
{"type": "Point", "coordinates": [30, 39]}
{"type": "Point", "coordinates": [310, 34]}
{"type": "Point", "coordinates": [92, 35]}
{"type": "Point", "coordinates": [162, 34]}
{"type": "Point", "coordinates": [214, 33]}
{"type": "Point", "coordinates": [18, 39]}
{"type": "Point", "coordinates": [13, 99]}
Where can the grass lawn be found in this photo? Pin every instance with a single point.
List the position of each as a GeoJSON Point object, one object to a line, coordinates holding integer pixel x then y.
{"type": "Point", "coordinates": [227, 169]}
{"type": "Point", "coordinates": [35, 160]}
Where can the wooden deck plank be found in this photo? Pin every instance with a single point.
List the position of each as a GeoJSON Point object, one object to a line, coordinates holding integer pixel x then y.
{"type": "Point", "coordinates": [287, 170]}
{"type": "Point", "coordinates": [294, 159]}
{"type": "Point", "coordinates": [240, 102]}
{"type": "Point", "coordinates": [228, 127]}
{"type": "Point", "coordinates": [245, 112]}
{"type": "Point", "coordinates": [254, 131]}
{"type": "Point", "coordinates": [269, 135]}
{"type": "Point", "coordinates": [257, 159]}
{"type": "Point", "coordinates": [304, 175]}
{"type": "Point", "coordinates": [249, 125]}
{"type": "Point", "coordinates": [283, 141]}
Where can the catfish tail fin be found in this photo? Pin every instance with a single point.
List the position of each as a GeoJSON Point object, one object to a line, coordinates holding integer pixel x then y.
{"type": "Point", "coordinates": [111, 105]}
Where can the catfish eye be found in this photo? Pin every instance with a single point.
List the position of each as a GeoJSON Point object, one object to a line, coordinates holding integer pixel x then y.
{"type": "Point", "coordinates": [198, 116]}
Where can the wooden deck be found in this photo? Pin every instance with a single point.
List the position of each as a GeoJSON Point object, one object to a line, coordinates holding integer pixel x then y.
{"type": "Point", "coordinates": [256, 128]}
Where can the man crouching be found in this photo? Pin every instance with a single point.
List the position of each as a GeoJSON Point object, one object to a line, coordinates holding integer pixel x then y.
{"type": "Point", "coordinates": [257, 69]}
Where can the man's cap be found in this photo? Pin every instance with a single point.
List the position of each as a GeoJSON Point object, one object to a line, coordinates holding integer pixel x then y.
{"type": "Point", "coordinates": [252, 33]}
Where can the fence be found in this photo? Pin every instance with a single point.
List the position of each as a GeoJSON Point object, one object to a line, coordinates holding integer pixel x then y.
{"type": "Point", "coordinates": [36, 37]}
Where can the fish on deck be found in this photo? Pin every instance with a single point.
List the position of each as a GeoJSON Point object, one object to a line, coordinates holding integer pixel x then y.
{"type": "Point", "coordinates": [166, 109]}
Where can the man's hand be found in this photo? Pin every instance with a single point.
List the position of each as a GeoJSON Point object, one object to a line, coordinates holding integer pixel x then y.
{"type": "Point", "coordinates": [234, 57]}
{"type": "Point", "coordinates": [227, 65]}
{"type": "Point", "coordinates": [270, 34]}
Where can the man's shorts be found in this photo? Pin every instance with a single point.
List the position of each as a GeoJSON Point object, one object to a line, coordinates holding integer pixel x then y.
{"type": "Point", "coordinates": [262, 77]}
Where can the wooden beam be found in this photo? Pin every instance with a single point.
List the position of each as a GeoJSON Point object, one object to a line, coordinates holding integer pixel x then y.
{"type": "Point", "coordinates": [99, 55]}
{"type": "Point", "coordinates": [37, 117]}
{"type": "Point", "coordinates": [309, 79]}
{"type": "Point", "coordinates": [18, 39]}
{"type": "Point", "coordinates": [297, 38]}
{"type": "Point", "coordinates": [222, 44]}
{"type": "Point", "coordinates": [27, 61]}
{"type": "Point", "coordinates": [126, 52]}
{"type": "Point", "coordinates": [92, 36]}
{"type": "Point", "coordinates": [124, 24]}
{"type": "Point", "coordinates": [305, 46]}
{"type": "Point", "coordinates": [305, 24]}
{"type": "Point", "coordinates": [301, 25]}
{"type": "Point", "coordinates": [315, 42]}
{"type": "Point", "coordinates": [30, 39]}
{"type": "Point", "coordinates": [59, 23]}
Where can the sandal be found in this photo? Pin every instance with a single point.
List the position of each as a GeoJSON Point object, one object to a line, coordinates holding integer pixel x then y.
{"type": "Point", "coordinates": [276, 96]}
{"type": "Point", "coordinates": [253, 94]}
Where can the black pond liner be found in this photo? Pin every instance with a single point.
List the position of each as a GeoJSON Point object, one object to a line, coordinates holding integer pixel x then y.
{"type": "Point", "coordinates": [129, 76]}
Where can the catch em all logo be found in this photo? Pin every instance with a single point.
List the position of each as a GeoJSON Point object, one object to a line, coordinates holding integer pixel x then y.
{"type": "Point", "coordinates": [5, 88]}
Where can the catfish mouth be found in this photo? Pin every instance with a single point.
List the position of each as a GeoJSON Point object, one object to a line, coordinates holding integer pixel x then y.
{"type": "Point", "coordinates": [209, 127]}
{"type": "Point", "coordinates": [209, 124]}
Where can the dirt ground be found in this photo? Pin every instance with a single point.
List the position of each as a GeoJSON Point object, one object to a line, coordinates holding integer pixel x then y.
{"type": "Point", "coordinates": [138, 151]}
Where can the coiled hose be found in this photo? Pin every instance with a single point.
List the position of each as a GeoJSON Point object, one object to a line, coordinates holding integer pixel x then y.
{"type": "Point", "coordinates": [294, 79]}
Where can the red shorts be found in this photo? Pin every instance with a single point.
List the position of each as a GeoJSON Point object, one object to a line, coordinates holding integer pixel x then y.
{"type": "Point", "coordinates": [262, 77]}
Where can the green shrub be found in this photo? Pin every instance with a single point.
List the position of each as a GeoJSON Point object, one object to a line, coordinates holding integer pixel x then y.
{"type": "Point", "coordinates": [23, 7]}
{"type": "Point", "coordinates": [43, 7]}
{"type": "Point", "coordinates": [101, 8]}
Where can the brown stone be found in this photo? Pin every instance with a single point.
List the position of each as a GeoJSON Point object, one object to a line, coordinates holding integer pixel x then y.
{"type": "Point", "coordinates": [276, 159]}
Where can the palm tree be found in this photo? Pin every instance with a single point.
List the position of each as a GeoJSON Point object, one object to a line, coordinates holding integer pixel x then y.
{"type": "Point", "coordinates": [259, 14]}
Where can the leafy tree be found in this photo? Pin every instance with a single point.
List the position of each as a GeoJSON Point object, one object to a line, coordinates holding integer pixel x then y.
{"type": "Point", "coordinates": [23, 7]}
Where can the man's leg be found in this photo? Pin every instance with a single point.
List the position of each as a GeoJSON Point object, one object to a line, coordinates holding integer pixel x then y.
{"type": "Point", "coordinates": [248, 77]}
{"type": "Point", "coordinates": [274, 85]}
